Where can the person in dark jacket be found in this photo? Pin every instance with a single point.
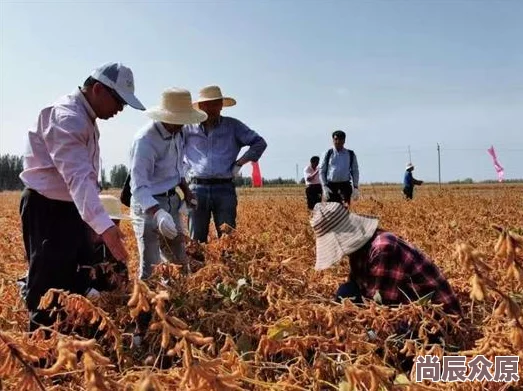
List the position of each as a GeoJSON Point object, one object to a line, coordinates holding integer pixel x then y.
{"type": "Point", "coordinates": [409, 182]}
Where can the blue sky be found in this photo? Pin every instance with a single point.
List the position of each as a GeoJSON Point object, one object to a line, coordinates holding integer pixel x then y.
{"type": "Point", "coordinates": [389, 73]}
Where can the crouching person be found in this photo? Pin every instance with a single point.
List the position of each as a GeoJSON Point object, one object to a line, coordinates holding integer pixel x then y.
{"type": "Point", "coordinates": [105, 273]}
{"type": "Point", "coordinates": [380, 262]}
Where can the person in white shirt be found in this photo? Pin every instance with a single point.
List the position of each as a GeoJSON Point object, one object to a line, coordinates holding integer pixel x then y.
{"type": "Point", "coordinates": [156, 170]}
{"type": "Point", "coordinates": [60, 203]}
{"type": "Point", "coordinates": [313, 191]}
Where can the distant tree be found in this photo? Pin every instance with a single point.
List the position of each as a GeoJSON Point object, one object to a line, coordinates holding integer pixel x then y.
{"type": "Point", "coordinates": [105, 184]}
{"type": "Point", "coordinates": [10, 168]}
{"type": "Point", "coordinates": [118, 175]}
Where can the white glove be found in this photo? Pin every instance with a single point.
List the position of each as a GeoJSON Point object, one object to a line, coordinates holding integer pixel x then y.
{"type": "Point", "coordinates": [165, 223]}
{"type": "Point", "coordinates": [355, 194]}
{"type": "Point", "coordinates": [326, 193]}
{"type": "Point", "coordinates": [236, 170]}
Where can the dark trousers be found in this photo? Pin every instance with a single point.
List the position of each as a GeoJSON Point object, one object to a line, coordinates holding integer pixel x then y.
{"type": "Point", "coordinates": [349, 290]}
{"type": "Point", "coordinates": [408, 191]}
{"type": "Point", "coordinates": [341, 191]}
{"type": "Point", "coordinates": [56, 241]}
{"type": "Point", "coordinates": [313, 194]}
{"type": "Point", "coordinates": [218, 200]}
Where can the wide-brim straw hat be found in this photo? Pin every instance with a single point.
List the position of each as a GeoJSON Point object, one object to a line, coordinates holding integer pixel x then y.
{"type": "Point", "coordinates": [213, 93]}
{"type": "Point", "coordinates": [409, 166]}
{"type": "Point", "coordinates": [113, 207]}
{"type": "Point", "coordinates": [339, 232]}
{"type": "Point", "coordinates": [176, 108]}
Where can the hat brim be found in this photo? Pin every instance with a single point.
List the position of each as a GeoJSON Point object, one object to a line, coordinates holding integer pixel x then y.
{"type": "Point", "coordinates": [194, 116]}
{"type": "Point", "coordinates": [348, 237]}
{"type": "Point", "coordinates": [131, 100]}
{"type": "Point", "coordinates": [227, 101]}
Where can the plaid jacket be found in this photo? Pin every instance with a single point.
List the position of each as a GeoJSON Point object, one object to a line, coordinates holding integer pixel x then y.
{"type": "Point", "coordinates": [399, 272]}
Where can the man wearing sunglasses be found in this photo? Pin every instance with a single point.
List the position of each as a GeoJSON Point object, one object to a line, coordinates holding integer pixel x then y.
{"type": "Point", "coordinates": [60, 203]}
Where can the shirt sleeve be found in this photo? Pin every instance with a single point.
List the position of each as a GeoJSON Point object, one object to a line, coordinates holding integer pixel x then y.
{"type": "Point", "coordinates": [66, 139]}
{"type": "Point", "coordinates": [305, 172]}
{"type": "Point", "coordinates": [247, 136]}
{"type": "Point", "coordinates": [386, 273]}
{"type": "Point", "coordinates": [142, 168]}
{"type": "Point", "coordinates": [355, 171]}
{"type": "Point", "coordinates": [323, 169]}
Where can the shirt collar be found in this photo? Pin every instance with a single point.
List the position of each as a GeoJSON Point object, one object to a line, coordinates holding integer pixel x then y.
{"type": "Point", "coordinates": [163, 132]}
{"type": "Point", "coordinates": [81, 97]}
{"type": "Point", "coordinates": [201, 127]}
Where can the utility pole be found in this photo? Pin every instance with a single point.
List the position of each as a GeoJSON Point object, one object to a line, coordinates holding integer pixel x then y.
{"type": "Point", "coordinates": [297, 179]}
{"type": "Point", "coordinates": [439, 167]}
{"type": "Point", "coordinates": [410, 157]}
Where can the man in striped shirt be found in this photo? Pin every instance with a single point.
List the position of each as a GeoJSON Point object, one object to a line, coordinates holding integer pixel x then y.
{"type": "Point", "coordinates": [60, 204]}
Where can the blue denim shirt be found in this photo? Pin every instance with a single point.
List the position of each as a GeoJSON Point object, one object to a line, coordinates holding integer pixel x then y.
{"type": "Point", "coordinates": [156, 163]}
{"type": "Point", "coordinates": [213, 155]}
{"type": "Point", "coordinates": [341, 168]}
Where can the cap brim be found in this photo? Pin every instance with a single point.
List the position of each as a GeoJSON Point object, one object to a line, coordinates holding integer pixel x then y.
{"type": "Point", "coordinates": [131, 100]}
{"type": "Point", "coordinates": [191, 117]}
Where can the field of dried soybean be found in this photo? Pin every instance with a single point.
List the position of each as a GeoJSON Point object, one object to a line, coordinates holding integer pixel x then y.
{"type": "Point", "coordinates": [257, 316]}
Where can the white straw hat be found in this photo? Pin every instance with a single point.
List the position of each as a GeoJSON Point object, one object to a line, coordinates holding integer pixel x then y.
{"type": "Point", "coordinates": [119, 78]}
{"type": "Point", "coordinates": [409, 166]}
{"type": "Point", "coordinates": [213, 93]}
{"type": "Point", "coordinates": [113, 207]}
{"type": "Point", "coordinates": [339, 232]}
{"type": "Point", "coordinates": [176, 108]}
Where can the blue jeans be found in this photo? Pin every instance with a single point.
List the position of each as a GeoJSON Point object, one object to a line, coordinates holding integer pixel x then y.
{"type": "Point", "coordinates": [153, 246]}
{"type": "Point", "coordinates": [218, 200]}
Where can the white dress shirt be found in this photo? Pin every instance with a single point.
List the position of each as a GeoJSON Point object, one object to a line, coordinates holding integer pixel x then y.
{"type": "Point", "coordinates": [315, 179]}
{"type": "Point", "coordinates": [156, 163]}
{"type": "Point", "coordinates": [62, 158]}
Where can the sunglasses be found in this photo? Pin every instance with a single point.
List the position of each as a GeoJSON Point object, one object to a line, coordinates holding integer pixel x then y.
{"type": "Point", "coordinates": [115, 96]}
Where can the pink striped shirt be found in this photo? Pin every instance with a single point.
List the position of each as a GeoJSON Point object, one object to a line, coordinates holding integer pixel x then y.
{"type": "Point", "coordinates": [62, 158]}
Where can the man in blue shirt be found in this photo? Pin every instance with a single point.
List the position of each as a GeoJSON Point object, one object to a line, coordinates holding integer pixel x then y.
{"type": "Point", "coordinates": [211, 151]}
{"type": "Point", "coordinates": [339, 172]}
{"type": "Point", "coordinates": [409, 182]}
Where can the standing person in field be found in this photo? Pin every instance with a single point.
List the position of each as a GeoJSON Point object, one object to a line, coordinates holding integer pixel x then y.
{"type": "Point", "coordinates": [409, 182]}
{"type": "Point", "coordinates": [211, 154]}
{"type": "Point", "coordinates": [60, 204]}
{"type": "Point", "coordinates": [156, 171]}
{"type": "Point", "coordinates": [313, 191]}
{"type": "Point", "coordinates": [339, 172]}
{"type": "Point", "coordinates": [380, 262]}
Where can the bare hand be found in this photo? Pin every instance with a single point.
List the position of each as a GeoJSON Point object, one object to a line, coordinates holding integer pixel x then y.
{"type": "Point", "coordinates": [113, 238]}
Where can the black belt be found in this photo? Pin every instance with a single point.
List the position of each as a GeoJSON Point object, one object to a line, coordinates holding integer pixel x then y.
{"type": "Point", "coordinates": [210, 181]}
{"type": "Point", "coordinates": [167, 193]}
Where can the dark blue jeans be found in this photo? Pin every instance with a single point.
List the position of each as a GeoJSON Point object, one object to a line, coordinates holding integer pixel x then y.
{"type": "Point", "coordinates": [219, 201]}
